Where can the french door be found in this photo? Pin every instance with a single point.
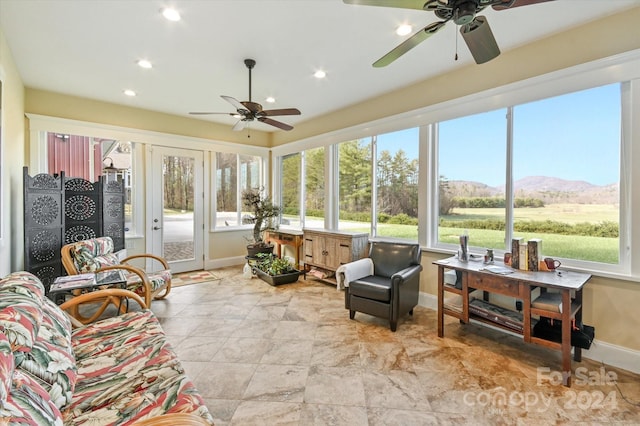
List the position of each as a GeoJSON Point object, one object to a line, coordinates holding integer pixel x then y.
{"type": "Point", "coordinates": [176, 182]}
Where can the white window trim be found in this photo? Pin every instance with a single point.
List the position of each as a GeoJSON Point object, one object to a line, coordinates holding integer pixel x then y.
{"type": "Point", "coordinates": [614, 69]}
{"type": "Point", "coordinates": [40, 124]}
{"type": "Point", "coordinates": [214, 185]}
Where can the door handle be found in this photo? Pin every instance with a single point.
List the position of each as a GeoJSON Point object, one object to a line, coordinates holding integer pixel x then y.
{"type": "Point", "coordinates": [155, 228]}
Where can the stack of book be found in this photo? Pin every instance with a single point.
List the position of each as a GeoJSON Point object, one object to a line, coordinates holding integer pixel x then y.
{"type": "Point", "coordinates": [526, 255]}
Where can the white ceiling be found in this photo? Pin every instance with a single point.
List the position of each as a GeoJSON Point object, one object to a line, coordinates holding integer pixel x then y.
{"type": "Point", "coordinates": [90, 48]}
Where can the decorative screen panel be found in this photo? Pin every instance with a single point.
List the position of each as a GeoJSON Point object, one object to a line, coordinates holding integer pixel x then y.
{"type": "Point", "coordinates": [43, 225]}
{"type": "Point", "coordinates": [82, 210]}
{"type": "Point", "coordinates": [113, 212]}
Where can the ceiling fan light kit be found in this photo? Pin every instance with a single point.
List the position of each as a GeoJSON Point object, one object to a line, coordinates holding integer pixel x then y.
{"type": "Point", "coordinates": [248, 111]}
{"type": "Point", "coordinates": [475, 29]}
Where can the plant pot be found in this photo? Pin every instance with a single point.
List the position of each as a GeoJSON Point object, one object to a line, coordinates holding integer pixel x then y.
{"type": "Point", "coordinates": [274, 280]}
{"type": "Point", "coordinates": [253, 250]}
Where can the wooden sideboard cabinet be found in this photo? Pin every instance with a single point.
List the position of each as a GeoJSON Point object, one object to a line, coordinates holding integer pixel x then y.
{"type": "Point", "coordinates": [330, 249]}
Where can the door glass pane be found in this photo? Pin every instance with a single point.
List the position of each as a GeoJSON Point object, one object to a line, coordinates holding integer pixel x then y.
{"type": "Point", "coordinates": [355, 185]}
{"type": "Point", "coordinates": [567, 172]}
{"type": "Point", "coordinates": [472, 176]}
{"type": "Point", "coordinates": [314, 186]}
{"type": "Point", "coordinates": [397, 173]}
{"type": "Point", "coordinates": [178, 214]}
{"type": "Point", "coordinates": [227, 189]}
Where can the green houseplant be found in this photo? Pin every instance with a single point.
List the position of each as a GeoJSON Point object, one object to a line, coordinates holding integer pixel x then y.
{"type": "Point", "coordinates": [274, 270]}
{"type": "Point", "coordinates": [264, 216]}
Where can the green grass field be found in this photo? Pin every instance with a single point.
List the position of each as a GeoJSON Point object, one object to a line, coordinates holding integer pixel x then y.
{"type": "Point", "coordinates": [596, 249]}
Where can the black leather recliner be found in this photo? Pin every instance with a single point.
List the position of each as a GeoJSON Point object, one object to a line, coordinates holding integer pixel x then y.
{"type": "Point", "coordinates": [391, 291]}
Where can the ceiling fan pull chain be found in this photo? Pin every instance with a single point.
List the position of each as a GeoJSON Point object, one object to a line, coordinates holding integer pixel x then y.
{"type": "Point", "coordinates": [457, 35]}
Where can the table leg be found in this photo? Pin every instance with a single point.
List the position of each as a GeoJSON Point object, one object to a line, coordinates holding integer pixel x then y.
{"type": "Point", "coordinates": [577, 352]}
{"type": "Point", "coordinates": [566, 337]}
{"type": "Point", "coordinates": [440, 301]}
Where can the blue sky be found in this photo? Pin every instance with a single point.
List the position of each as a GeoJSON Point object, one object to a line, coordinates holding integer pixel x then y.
{"type": "Point", "coordinates": [574, 137]}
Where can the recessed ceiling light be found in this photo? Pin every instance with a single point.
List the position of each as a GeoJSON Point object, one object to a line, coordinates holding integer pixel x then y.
{"type": "Point", "coordinates": [130, 92]}
{"type": "Point", "coordinates": [270, 99]}
{"type": "Point", "coordinates": [143, 63]}
{"type": "Point", "coordinates": [404, 29]}
{"type": "Point", "coordinates": [320, 74]}
{"type": "Point", "coordinates": [170, 14]}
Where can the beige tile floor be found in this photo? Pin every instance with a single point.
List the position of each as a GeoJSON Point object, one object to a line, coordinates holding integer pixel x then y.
{"type": "Point", "coordinates": [289, 355]}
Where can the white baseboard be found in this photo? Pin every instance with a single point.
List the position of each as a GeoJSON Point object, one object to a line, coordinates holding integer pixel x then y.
{"type": "Point", "coordinates": [614, 355]}
{"type": "Point", "coordinates": [428, 301]}
{"type": "Point", "coordinates": [224, 262]}
{"type": "Point", "coordinates": [610, 354]}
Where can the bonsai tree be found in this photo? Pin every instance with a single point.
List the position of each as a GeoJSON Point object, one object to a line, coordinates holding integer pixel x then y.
{"type": "Point", "coordinates": [263, 214]}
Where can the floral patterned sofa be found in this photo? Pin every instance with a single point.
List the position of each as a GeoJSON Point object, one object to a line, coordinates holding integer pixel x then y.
{"type": "Point", "coordinates": [116, 371]}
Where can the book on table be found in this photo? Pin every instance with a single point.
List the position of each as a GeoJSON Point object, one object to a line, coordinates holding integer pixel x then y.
{"type": "Point", "coordinates": [72, 282]}
{"type": "Point", "coordinates": [549, 302]}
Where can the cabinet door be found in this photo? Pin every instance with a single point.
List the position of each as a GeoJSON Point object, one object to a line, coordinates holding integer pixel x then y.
{"type": "Point", "coordinates": [330, 253]}
{"type": "Point", "coordinates": [318, 250]}
{"type": "Point", "coordinates": [344, 252]}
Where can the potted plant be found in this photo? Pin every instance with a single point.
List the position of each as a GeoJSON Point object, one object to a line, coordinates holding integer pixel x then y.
{"type": "Point", "coordinates": [264, 216]}
{"type": "Point", "coordinates": [274, 270]}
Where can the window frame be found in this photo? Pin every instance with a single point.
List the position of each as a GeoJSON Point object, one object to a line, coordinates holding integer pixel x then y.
{"type": "Point", "coordinates": [41, 125]}
{"type": "Point", "coordinates": [264, 182]}
{"type": "Point", "coordinates": [624, 260]}
{"type": "Point", "coordinates": [615, 69]}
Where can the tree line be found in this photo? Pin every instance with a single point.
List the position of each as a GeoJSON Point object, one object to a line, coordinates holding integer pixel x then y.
{"type": "Point", "coordinates": [397, 183]}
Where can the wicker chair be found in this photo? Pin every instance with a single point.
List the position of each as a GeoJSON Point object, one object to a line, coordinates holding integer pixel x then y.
{"type": "Point", "coordinates": [96, 255]}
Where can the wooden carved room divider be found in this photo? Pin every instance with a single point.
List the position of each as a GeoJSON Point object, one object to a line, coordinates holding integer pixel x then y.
{"type": "Point", "coordinates": [60, 210]}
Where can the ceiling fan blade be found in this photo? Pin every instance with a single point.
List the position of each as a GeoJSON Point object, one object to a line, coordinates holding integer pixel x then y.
{"type": "Point", "coordinates": [252, 106]}
{"type": "Point", "coordinates": [236, 104]}
{"type": "Point", "coordinates": [240, 125]}
{"type": "Point", "coordinates": [409, 43]}
{"type": "Point", "coordinates": [508, 4]}
{"type": "Point", "coordinates": [480, 40]}
{"type": "Point", "coordinates": [210, 113]}
{"type": "Point", "coordinates": [403, 4]}
{"type": "Point", "coordinates": [274, 112]}
{"type": "Point", "coordinates": [275, 123]}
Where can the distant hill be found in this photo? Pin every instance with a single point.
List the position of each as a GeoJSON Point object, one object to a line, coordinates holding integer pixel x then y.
{"type": "Point", "coordinates": [549, 189]}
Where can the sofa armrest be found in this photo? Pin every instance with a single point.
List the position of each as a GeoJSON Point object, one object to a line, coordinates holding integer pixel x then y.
{"type": "Point", "coordinates": [107, 296]}
{"type": "Point", "coordinates": [353, 271]}
{"type": "Point", "coordinates": [173, 419]}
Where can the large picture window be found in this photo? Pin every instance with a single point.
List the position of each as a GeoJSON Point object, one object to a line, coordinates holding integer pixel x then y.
{"type": "Point", "coordinates": [355, 185]}
{"type": "Point", "coordinates": [471, 179]}
{"type": "Point", "coordinates": [234, 174]}
{"type": "Point", "coordinates": [397, 184]}
{"type": "Point", "coordinates": [291, 181]}
{"type": "Point", "coordinates": [89, 158]}
{"type": "Point", "coordinates": [563, 160]}
{"type": "Point", "coordinates": [566, 171]}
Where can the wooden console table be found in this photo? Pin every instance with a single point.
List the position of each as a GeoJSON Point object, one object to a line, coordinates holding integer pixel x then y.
{"type": "Point", "coordinates": [288, 238]}
{"type": "Point", "coordinates": [518, 284]}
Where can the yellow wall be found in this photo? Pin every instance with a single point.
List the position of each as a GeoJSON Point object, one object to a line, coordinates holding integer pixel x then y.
{"type": "Point", "coordinates": [71, 107]}
{"type": "Point", "coordinates": [13, 159]}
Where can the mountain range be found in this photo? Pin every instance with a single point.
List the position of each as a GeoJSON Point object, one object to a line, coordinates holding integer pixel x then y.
{"type": "Point", "coordinates": [549, 189]}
